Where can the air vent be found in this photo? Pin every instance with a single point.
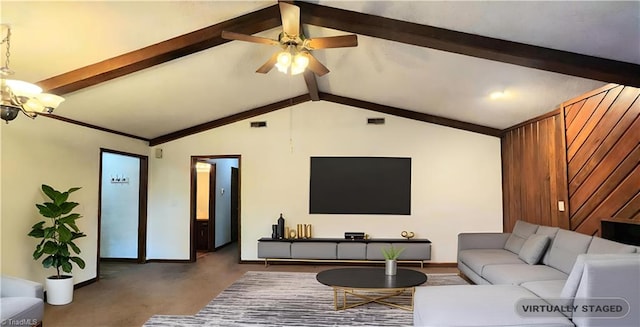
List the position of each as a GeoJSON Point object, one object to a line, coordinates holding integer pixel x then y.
{"type": "Point", "coordinates": [258, 124]}
{"type": "Point", "coordinates": [375, 121]}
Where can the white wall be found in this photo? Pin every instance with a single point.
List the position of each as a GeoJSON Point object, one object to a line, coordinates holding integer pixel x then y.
{"type": "Point", "coordinates": [120, 204]}
{"type": "Point", "coordinates": [456, 177]}
{"type": "Point", "coordinates": [62, 155]}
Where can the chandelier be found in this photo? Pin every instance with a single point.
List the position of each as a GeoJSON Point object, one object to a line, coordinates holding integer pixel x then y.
{"type": "Point", "coordinates": [19, 96]}
{"type": "Point", "coordinates": [292, 60]}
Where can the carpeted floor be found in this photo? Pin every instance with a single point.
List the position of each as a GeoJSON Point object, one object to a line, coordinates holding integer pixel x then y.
{"type": "Point", "coordinates": [291, 299]}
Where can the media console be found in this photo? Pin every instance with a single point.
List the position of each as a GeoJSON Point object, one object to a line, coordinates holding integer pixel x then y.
{"type": "Point", "coordinates": [342, 250]}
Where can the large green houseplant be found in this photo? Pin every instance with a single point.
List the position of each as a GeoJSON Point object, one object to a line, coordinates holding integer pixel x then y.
{"type": "Point", "coordinates": [57, 234]}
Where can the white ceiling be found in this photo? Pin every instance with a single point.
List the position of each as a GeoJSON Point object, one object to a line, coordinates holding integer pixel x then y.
{"type": "Point", "coordinates": [51, 38]}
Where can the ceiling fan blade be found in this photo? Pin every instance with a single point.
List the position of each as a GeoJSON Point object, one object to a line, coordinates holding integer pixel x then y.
{"type": "Point", "coordinates": [248, 38]}
{"type": "Point", "coordinates": [267, 66]}
{"type": "Point", "coordinates": [315, 66]}
{"type": "Point", "coordinates": [342, 41]}
{"type": "Point", "coordinates": [290, 19]}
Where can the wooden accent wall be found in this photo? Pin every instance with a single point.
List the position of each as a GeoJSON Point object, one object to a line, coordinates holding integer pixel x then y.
{"type": "Point", "coordinates": [586, 154]}
{"type": "Point", "coordinates": [534, 172]}
{"type": "Point", "coordinates": [603, 152]}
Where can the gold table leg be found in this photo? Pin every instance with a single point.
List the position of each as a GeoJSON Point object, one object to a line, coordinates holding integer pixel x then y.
{"type": "Point", "coordinates": [365, 299]}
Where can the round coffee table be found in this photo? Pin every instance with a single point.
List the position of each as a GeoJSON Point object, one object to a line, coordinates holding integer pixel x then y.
{"type": "Point", "coordinates": [362, 282]}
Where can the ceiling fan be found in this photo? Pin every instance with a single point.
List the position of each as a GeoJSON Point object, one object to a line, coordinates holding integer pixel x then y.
{"type": "Point", "coordinates": [295, 56]}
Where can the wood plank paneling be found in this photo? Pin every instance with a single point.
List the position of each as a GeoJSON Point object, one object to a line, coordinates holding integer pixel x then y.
{"type": "Point", "coordinates": [534, 173]}
{"type": "Point", "coordinates": [573, 110]}
{"type": "Point", "coordinates": [604, 153]}
{"type": "Point", "coordinates": [583, 116]}
{"type": "Point", "coordinates": [590, 124]}
{"type": "Point", "coordinates": [588, 155]}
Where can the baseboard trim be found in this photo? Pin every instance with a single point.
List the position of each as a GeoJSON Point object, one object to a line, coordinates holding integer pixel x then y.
{"type": "Point", "coordinates": [441, 264]}
{"type": "Point", "coordinates": [130, 260]}
{"type": "Point", "coordinates": [170, 260]}
{"type": "Point", "coordinates": [85, 283]}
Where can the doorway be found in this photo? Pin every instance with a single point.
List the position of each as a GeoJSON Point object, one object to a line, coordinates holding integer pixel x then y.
{"type": "Point", "coordinates": [122, 214]}
{"type": "Point", "coordinates": [215, 198]}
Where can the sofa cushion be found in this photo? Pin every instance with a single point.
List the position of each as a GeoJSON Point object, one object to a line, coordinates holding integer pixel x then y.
{"type": "Point", "coordinates": [546, 289]}
{"type": "Point", "coordinates": [551, 232]}
{"type": "Point", "coordinates": [565, 249]}
{"type": "Point", "coordinates": [25, 310]}
{"type": "Point", "coordinates": [516, 274]}
{"type": "Point", "coordinates": [521, 231]}
{"type": "Point", "coordinates": [600, 245]}
{"type": "Point", "coordinates": [476, 305]}
{"type": "Point", "coordinates": [534, 248]}
{"type": "Point", "coordinates": [477, 259]}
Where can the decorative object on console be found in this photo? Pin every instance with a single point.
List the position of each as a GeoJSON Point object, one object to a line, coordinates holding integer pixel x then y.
{"type": "Point", "coordinates": [308, 231]}
{"type": "Point", "coordinates": [281, 227]}
{"type": "Point", "coordinates": [354, 235]}
{"type": "Point", "coordinates": [274, 232]}
{"type": "Point", "coordinates": [292, 234]}
{"type": "Point", "coordinates": [286, 232]}
{"type": "Point", "coordinates": [19, 96]}
{"type": "Point", "coordinates": [391, 254]}
{"type": "Point", "coordinates": [407, 235]}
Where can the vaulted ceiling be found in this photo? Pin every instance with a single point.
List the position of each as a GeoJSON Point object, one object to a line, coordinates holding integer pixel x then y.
{"type": "Point", "coordinates": [160, 70]}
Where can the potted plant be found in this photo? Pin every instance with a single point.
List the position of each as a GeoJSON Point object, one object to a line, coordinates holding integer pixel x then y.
{"type": "Point", "coordinates": [391, 254]}
{"type": "Point", "coordinates": [57, 234]}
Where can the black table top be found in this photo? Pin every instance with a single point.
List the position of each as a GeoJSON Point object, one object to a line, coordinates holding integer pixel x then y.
{"type": "Point", "coordinates": [370, 278]}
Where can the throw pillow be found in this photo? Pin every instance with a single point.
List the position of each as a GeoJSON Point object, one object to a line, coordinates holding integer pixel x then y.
{"type": "Point", "coordinates": [521, 231]}
{"type": "Point", "coordinates": [534, 248]}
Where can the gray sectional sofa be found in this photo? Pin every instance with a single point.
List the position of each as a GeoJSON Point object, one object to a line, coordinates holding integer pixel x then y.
{"type": "Point", "coordinates": [21, 303]}
{"type": "Point", "coordinates": [537, 276]}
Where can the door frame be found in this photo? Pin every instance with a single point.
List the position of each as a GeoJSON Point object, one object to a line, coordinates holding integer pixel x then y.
{"type": "Point", "coordinates": [143, 191]}
{"type": "Point", "coordinates": [193, 212]}
{"type": "Point", "coordinates": [212, 208]}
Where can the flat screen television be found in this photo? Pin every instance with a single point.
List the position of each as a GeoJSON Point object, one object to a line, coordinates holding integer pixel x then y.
{"type": "Point", "coordinates": [360, 185]}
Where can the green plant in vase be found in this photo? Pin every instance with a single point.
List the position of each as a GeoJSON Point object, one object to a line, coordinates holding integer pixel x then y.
{"type": "Point", "coordinates": [392, 253]}
{"type": "Point", "coordinates": [57, 234]}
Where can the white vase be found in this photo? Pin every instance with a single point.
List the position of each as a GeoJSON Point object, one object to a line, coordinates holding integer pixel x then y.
{"type": "Point", "coordinates": [390, 267]}
{"type": "Point", "coordinates": [59, 291]}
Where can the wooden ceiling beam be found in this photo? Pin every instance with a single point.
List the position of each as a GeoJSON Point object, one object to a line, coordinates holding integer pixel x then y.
{"type": "Point", "coordinates": [229, 119]}
{"type": "Point", "coordinates": [411, 114]}
{"type": "Point", "coordinates": [158, 53]}
{"type": "Point", "coordinates": [521, 54]}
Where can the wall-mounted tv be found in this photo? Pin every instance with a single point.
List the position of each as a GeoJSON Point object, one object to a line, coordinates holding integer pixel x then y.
{"type": "Point", "coordinates": [360, 185]}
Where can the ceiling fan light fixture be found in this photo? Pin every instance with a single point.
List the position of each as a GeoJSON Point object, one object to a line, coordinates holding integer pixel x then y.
{"type": "Point", "coordinates": [300, 63]}
{"type": "Point", "coordinates": [283, 61]}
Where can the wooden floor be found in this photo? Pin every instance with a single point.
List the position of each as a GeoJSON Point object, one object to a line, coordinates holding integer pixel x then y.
{"type": "Point", "coordinates": [127, 294]}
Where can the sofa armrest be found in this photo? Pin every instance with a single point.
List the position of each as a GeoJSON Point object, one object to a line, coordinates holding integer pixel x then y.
{"type": "Point", "coordinates": [482, 240]}
{"type": "Point", "coordinates": [17, 287]}
{"type": "Point", "coordinates": [610, 282]}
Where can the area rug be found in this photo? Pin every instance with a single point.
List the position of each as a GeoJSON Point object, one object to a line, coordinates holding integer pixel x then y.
{"type": "Point", "coordinates": [291, 299]}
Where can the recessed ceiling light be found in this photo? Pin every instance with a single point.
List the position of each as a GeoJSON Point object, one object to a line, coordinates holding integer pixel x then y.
{"type": "Point", "coordinates": [498, 95]}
